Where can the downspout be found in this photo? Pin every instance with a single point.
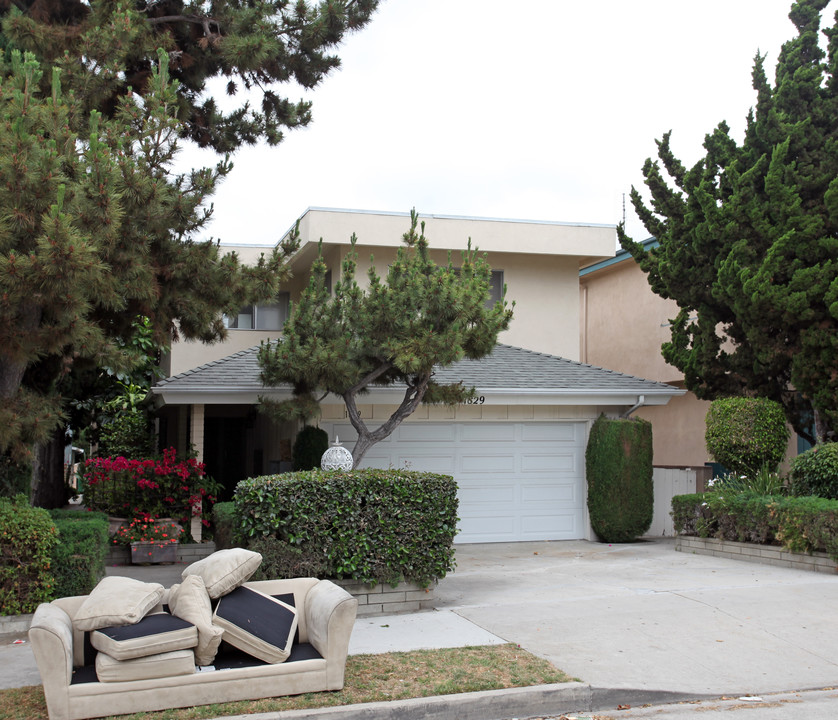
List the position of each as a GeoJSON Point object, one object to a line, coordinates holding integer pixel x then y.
{"type": "Point", "coordinates": [641, 400]}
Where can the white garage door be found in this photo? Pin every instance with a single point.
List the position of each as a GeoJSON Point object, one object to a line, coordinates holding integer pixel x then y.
{"type": "Point", "coordinates": [518, 481]}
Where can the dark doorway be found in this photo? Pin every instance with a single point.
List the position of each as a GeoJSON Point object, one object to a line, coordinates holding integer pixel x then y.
{"type": "Point", "coordinates": [225, 452]}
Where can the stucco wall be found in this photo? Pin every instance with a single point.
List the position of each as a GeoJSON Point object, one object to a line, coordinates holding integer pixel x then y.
{"type": "Point", "coordinates": [625, 323]}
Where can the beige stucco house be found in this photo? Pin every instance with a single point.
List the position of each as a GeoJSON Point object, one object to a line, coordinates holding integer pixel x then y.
{"type": "Point", "coordinates": [517, 452]}
{"type": "Point", "coordinates": [622, 326]}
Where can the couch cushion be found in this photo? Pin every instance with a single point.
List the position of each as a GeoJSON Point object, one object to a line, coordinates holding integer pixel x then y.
{"type": "Point", "coordinates": [190, 601]}
{"type": "Point", "coordinates": [179, 662]}
{"type": "Point", "coordinates": [225, 570]}
{"type": "Point", "coordinates": [260, 625]}
{"type": "Point", "coordinates": [154, 634]}
{"type": "Point", "coordinates": [117, 601]}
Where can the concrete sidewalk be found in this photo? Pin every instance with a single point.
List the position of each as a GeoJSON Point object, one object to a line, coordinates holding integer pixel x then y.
{"type": "Point", "coordinates": [637, 622]}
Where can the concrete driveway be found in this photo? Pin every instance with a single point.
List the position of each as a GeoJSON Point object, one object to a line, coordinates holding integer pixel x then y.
{"type": "Point", "coordinates": [643, 616]}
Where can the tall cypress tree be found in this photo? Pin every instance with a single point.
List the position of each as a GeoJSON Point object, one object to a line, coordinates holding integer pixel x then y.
{"type": "Point", "coordinates": [396, 331]}
{"type": "Point", "coordinates": [749, 240]}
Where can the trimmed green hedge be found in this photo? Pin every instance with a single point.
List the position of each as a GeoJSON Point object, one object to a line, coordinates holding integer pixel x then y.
{"type": "Point", "coordinates": [618, 463]}
{"type": "Point", "coordinates": [27, 539]}
{"type": "Point", "coordinates": [374, 526]}
{"type": "Point", "coordinates": [78, 560]}
{"type": "Point", "coordinates": [799, 524]}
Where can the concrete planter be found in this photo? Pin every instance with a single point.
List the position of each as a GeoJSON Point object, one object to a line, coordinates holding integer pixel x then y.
{"type": "Point", "coordinates": [750, 552]}
{"type": "Point", "coordinates": [153, 553]}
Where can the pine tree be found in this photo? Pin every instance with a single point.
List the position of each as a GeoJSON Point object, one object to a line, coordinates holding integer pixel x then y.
{"type": "Point", "coordinates": [95, 233]}
{"type": "Point", "coordinates": [748, 241]}
{"type": "Point", "coordinates": [104, 48]}
{"type": "Point", "coordinates": [395, 331]}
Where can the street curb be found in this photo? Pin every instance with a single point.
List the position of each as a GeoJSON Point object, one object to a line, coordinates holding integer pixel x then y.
{"type": "Point", "coordinates": [14, 624]}
{"type": "Point", "coordinates": [537, 700]}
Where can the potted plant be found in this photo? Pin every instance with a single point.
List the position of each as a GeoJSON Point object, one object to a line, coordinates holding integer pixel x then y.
{"type": "Point", "coordinates": [151, 541]}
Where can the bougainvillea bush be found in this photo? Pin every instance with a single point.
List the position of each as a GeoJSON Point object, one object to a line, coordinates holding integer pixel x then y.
{"type": "Point", "coordinates": [149, 488]}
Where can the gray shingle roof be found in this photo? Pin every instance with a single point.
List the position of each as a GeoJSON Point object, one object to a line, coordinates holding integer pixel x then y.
{"type": "Point", "coordinates": [507, 368]}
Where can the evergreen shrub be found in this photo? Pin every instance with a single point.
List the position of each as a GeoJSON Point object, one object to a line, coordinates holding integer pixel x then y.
{"type": "Point", "coordinates": [374, 526]}
{"type": "Point", "coordinates": [745, 434]}
{"type": "Point", "coordinates": [310, 444]}
{"type": "Point", "coordinates": [78, 559]}
{"type": "Point", "coordinates": [27, 539]}
{"type": "Point", "coordinates": [226, 525]}
{"type": "Point", "coordinates": [129, 434]}
{"type": "Point", "coordinates": [618, 462]}
{"type": "Point", "coordinates": [815, 472]}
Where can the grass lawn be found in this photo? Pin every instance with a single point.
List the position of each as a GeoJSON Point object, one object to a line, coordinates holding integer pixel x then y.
{"type": "Point", "coordinates": [369, 678]}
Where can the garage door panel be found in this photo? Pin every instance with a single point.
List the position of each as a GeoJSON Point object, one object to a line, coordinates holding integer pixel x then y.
{"type": "Point", "coordinates": [489, 527]}
{"type": "Point", "coordinates": [550, 432]}
{"type": "Point", "coordinates": [552, 463]}
{"type": "Point", "coordinates": [488, 463]}
{"type": "Point", "coordinates": [564, 493]}
{"type": "Point", "coordinates": [474, 498]}
{"type": "Point", "coordinates": [423, 433]}
{"type": "Point", "coordinates": [487, 433]}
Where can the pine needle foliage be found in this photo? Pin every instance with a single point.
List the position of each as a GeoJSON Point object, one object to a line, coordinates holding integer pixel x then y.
{"type": "Point", "coordinates": [393, 332]}
{"type": "Point", "coordinates": [94, 233]}
{"type": "Point", "coordinates": [748, 240]}
{"type": "Point", "coordinates": [255, 47]}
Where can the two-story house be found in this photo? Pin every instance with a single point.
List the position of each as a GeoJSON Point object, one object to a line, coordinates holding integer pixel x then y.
{"type": "Point", "coordinates": [517, 452]}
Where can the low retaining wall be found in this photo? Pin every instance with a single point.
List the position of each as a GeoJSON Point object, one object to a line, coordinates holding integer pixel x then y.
{"type": "Point", "coordinates": [121, 554]}
{"type": "Point", "coordinates": [750, 552]}
{"type": "Point", "coordinates": [386, 600]}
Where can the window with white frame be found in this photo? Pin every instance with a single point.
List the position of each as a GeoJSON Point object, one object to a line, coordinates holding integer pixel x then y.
{"type": "Point", "coordinates": [265, 316]}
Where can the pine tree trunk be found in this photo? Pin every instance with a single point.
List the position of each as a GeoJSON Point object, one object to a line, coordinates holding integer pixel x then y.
{"type": "Point", "coordinates": [48, 490]}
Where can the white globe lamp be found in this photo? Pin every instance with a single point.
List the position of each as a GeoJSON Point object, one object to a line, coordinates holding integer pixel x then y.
{"type": "Point", "coordinates": [337, 457]}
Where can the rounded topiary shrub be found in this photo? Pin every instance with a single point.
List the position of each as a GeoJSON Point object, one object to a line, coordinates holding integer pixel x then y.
{"type": "Point", "coordinates": [746, 434]}
{"type": "Point", "coordinates": [309, 447]}
{"type": "Point", "coordinates": [618, 461]}
{"type": "Point", "coordinates": [815, 472]}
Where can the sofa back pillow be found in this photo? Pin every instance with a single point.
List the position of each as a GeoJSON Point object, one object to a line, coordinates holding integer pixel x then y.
{"type": "Point", "coordinates": [225, 570]}
{"type": "Point", "coordinates": [190, 601]}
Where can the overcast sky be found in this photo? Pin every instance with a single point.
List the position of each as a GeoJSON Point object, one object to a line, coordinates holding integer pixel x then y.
{"type": "Point", "coordinates": [537, 109]}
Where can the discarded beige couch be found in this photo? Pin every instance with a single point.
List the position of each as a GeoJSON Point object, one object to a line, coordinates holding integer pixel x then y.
{"type": "Point", "coordinates": [325, 615]}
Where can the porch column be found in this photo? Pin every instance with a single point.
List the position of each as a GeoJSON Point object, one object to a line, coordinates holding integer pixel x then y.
{"type": "Point", "coordinates": [196, 426]}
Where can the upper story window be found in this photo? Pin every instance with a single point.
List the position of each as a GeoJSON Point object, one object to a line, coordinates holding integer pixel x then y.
{"type": "Point", "coordinates": [268, 316]}
{"type": "Point", "coordinates": [495, 287]}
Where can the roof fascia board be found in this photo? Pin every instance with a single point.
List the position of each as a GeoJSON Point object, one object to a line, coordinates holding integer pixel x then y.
{"type": "Point", "coordinates": [389, 396]}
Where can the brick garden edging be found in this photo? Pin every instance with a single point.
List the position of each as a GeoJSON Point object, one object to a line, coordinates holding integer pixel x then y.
{"type": "Point", "coordinates": [751, 552]}
{"type": "Point", "coordinates": [385, 600]}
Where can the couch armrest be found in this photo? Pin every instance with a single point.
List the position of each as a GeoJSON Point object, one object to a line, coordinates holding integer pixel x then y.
{"type": "Point", "coordinates": [330, 616]}
{"type": "Point", "coordinates": [51, 635]}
